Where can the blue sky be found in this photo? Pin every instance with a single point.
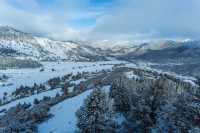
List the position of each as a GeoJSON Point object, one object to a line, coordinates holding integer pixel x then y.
{"type": "Point", "coordinates": [60, 7]}
{"type": "Point", "coordinates": [104, 19]}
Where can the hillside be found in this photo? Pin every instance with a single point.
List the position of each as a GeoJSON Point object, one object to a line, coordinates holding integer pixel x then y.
{"type": "Point", "coordinates": [15, 43]}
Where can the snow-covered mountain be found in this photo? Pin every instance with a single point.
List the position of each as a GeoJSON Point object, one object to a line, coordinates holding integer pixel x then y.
{"type": "Point", "coordinates": [18, 44]}
{"type": "Point", "coordinates": [168, 51]}
{"type": "Point", "coordinates": [118, 48]}
{"type": "Point", "coordinates": [23, 45]}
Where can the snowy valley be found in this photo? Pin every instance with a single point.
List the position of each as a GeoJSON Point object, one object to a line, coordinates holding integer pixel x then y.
{"type": "Point", "coordinates": [49, 86]}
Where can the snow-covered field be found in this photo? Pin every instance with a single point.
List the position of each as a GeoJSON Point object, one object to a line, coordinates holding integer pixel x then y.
{"type": "Point", "coordinates": [145, 66]}
{"type": "Point", "coordinates": [28, 77]}
{"type": "Point", "coordinates": [30, 99]}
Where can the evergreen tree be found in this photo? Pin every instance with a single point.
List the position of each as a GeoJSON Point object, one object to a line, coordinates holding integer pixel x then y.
{"type": "Point", "coordinates": [198, 81]}
{"type": "Point", "coordinates": [185, 116]}
{"type": "Point", "coordinates": [54, 82]}
{"type": "Point", "coordinates": [121, 97]}
{"type": "Point", "coordinates": [145, 107]}
{"type": "Point", "coordinates": [65, 88]}
{"type": "Point", "coordinates": [36, 101]}
{"type": "Point", "coordinates": [93, 115]}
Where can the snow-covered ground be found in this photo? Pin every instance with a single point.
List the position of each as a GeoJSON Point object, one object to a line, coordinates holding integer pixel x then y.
{"type": "Point", "coordinates": [145, 66]}
{"type": "Point", "coordinates": [28, 77]}
{"type": "Point", "coordinates": [131, 75]}
{"type": "Point", "coordinates": [64, 120]}
{"type": "Point", "coordinates": [30, 99]}
{"type": "Point", "coordinates": [78, 81]}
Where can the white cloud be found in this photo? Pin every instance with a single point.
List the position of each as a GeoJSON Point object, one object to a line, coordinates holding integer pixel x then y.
{"type": "Point", "coordinates": [47, 24]}
{"type": "Point", "coordinates": [151, 19]}
{"type": "Point", "coordinates": [126, 19]}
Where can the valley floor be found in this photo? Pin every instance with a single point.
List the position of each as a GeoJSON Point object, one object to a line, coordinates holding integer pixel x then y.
{"type": "Point", "coordinates": [63, 117]}
{"type": "Point", "coordinates": [28, 77]}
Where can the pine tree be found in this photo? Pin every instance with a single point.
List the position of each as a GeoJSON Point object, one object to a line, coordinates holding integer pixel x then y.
{"type": "Point", "coordinates": [145, 106]}
{"type": "Point", "coordinates": [65, 88]}
{"type": "Point", "coordinates": [185, 115]}
{"type": "Point", "coordinates": [121, 97]}
{"type": "Point", "coordinates": [198, 81]}
{"type": "Point", "coordinates": [93, 115]}
{"type": "Point", "coordinates": [36, 101]}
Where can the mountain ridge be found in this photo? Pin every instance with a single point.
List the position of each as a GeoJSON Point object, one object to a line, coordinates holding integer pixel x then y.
{"type": "Point", "coordinates": [14, 43]}
{"type": "Point", "coordinates": [24, 45]}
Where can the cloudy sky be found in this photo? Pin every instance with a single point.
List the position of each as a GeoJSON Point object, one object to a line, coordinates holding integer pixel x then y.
{"type": "Point", "coordinates": [104, 19]}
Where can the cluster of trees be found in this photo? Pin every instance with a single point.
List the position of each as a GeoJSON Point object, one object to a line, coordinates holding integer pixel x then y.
{"type": "Point", "coordinates": [145, 110]}
{"type": "Point", "coordinates": [153, 110]}
{"type": "Point", "coordinates": [66, 77]}
{"type": "Point", "coordinates": [77, 76]}
{"type": "Point", "coordinates": [144, 106]}
{"type": "Point", "coordinates": [198, 80]}
{"type": "Point", "coordinates": [93, 116]}
{"type": "Point", "coordinates": [120, 96]}
{"type": "Point", "coordinates": [61, 81]}
{"type": "Point", "coordinates": [54, 82]}
{"type": "Point", "coordinates": [23, 118]}
{"type": "Point", "coordinates": [184, 117]}
{"type": "Point", "coordinates": [11, 62]}
{"type": "Point", "coordinates": [24, 91]}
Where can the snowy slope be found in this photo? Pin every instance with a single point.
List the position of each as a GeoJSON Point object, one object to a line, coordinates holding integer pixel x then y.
{"type": "Point", "coordinates": [134, 47]}
{"type": "Point", "coordinates": [64, 119]}
{"type": "Point", "coordinates": [22, 45]}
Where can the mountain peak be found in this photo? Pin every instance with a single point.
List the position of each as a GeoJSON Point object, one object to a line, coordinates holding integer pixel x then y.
{"type": "Point", "coordinates": [9, 29]}
{"type": "Point", "coordinates": [7, 32]}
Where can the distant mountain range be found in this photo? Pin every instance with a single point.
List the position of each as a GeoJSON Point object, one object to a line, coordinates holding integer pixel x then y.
{"type": "Point", "coordinates": [15, 43]}
{"type": "Point", "coordinates": [173, 52]}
